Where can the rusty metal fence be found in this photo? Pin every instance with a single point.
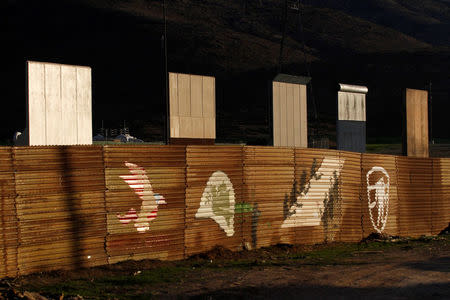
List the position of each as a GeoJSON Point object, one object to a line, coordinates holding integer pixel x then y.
{"type": "Point", "coordinates": [81, 206]}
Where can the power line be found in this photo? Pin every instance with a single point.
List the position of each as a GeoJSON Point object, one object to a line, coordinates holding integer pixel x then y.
{"type": "Point", "coordinates": [166, 78]}
{"type": "Point", "coordinates": [283, 36]}
{"type": "Point", "coordinates": [307, 66]}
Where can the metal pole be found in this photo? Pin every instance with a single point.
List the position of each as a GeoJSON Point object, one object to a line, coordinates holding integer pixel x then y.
{"type": "Point", "coordinates": [430, 108]}
{"type": "Point", "coordinates": [166, 77]}
{"type": "Point", "coordinates": [283, 29]}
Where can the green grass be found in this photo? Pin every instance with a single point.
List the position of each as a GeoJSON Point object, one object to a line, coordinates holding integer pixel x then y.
{"type": "Point", "coordinates": [383, 148]}
{"type": "Point", "coordinates": [114, 286]}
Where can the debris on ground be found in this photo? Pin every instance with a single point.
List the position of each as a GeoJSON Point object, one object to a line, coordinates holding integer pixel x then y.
{"type": "Point", "coordinates": [446, 231]}
{"type": "Point", "coordinates": [380, 237]}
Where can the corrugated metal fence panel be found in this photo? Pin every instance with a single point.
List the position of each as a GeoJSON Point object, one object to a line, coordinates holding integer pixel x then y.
{"type": "Point", "coordinates": [350, 201]}
{"type": "Point", "coordinates": [145, 202]}
{"type": "Point", "coordinates": [268, 181]}
{"type": "Point", "coordinates": [60, 207]}
{"type": "Point", "coordinates": [169, 202]}
{"type": "Point", "coordinates": [440, 217]}
{"type": "Point", "coordinates": [379, 201]}
{"type": "Point", "coordinates": [214, 198]}
{"type": "Point", "coordinates": [8, 218]}
{"type": "Point", "coordinates": [415, 179]}
{"type": "Point", "coordinates": [305, 210]}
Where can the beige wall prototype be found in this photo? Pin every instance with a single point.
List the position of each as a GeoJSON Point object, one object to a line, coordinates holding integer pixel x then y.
{"type": "Point", "coordinates": [417, 123]}
{"type": "Point", "coordinates": [192, 101]}
{"type": "Point", "coordinates": [289, 115]}
{"type": "Point", "coordinates": [59, 104]}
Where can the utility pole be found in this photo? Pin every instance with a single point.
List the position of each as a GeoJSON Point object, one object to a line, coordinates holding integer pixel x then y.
{"type": "Point", "coordinates": [283, 29]}
{"type": "Point", "coordinates": [166, 77]}
{"type": "Point", "coordinates": [430, 113]}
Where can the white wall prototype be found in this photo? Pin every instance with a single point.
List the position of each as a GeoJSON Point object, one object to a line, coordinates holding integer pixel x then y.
{"type": "Point", "coordinates": [59, 104]}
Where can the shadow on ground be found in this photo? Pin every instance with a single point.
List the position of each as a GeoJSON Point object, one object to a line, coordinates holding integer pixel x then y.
{"type": "Point", "coordinates": [300, 291]}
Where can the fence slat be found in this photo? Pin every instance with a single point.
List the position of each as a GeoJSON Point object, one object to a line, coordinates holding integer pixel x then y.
{"type": "Point", "coordinates": [379, 201]}
{"type": "Point", "coordinates": [214, 196]}
{"type": "Point", "coordinates": [8, 217]}
{"type": "Point", "coordinates": [415, 181]}
{"type": "Point", "coordinates": [440, 214]}
{"type": "Point", "coordinates": [268, 180]}
{"type": "Point", "coordinates": [145, 202]}
{"type": "Point", "coordinates": [60, 207]}
{"type": "Point", "coordinates": [350, 189]}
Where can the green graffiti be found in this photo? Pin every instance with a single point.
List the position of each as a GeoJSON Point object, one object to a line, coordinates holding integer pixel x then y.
{"type": "Point", "coordinates": [241, 208]}
{"type": "Point", "coordinates": [331, 214]}
{"type": "Point", "coordinates": [220, 200]}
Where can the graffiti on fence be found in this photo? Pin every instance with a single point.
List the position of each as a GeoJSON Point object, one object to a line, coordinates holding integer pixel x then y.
{"type": "Point", "coordinates": [252, 211]}
{"type": "Point", "coordinates": [332, 213]}
{"type": "Point", "coordinates": [313, 198]}
{"type": "Point", "coordinates": [255, 216]}
{"type": "Point", "coordinates": [290, 204]}
{"type": "Point", "coordinates": [140, 183]}
{"type": "Point", "coordinates": [380, 203]}
{"type": "Point", "coordinates": [218, 201]}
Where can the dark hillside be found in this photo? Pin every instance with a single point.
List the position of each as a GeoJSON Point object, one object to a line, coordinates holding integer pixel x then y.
{"type": "Point", "coordinates": [239, 45]}
{"type": "Point", "coordinates": [426, 20]}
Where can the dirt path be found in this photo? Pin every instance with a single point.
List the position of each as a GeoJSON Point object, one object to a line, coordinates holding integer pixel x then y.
{"type": "Point", "coordinates": [401, 273]}
{"type": "Point", "coordinates": [418, 279]}
{"type": "Point", "coordinates": [408, 269]}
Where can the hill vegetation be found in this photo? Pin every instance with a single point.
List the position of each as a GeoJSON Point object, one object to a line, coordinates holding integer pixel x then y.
{"type": "Point", "coordinates": [383, 44]}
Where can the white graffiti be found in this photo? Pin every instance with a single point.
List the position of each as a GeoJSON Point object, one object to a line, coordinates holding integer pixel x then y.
{"type": "Point", "coordinates": [218, 202]}
{"type": "Point", "coordinates": [309, 208]}
{"type": "Point", "coordinates": [381, 201]}
{"type": "Point", "coordinates": [139, 182]}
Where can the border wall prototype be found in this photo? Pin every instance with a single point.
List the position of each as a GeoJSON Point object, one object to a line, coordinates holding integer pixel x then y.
{"type": "Point", "coordinates": [59, 104]}
{"type": "Point", "coordinates": [351, 118]}
{"type": "Point", "coordinates": [80, 206]}
{"type": "Point", "coordinates": [192, 101]}
{"type": "Point", "coordinates": [289, 113]}
{"type": "Point", "coordinates": [415, 123]}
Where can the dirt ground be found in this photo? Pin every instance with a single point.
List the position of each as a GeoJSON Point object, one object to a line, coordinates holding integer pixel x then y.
{"type": "Point", "coordinates": [400, 276]}
{"type": "Point", "coordinates": [376, 269]}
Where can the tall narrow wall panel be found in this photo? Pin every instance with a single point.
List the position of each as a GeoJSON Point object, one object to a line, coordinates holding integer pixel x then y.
{"type": "Point", "coordinates": [348, 206]}
{"type": "Point", "coordinates": [313, 208]}
{"type": "Point", "coordinates": [416, 105]}
{"type": "Point", "coordinates": [415, 182]}
{"type": "Point", "coordinates": [351, 118]}
{"type": "Point", "coordinates": [60, 207]}
{"type": "Point", "coordinates": [59, 104]}
{"type": "Point", "coordinates": [268, 182]}
{"type": "Point", "coordinates": [36, 114]}
{"type": "Point", "coordinates": [289, 115]}
{"type": "Point", "coordinates": [215, 206]}
{"type": "Point", "coordinates": [380, 207]}
{"type": "Point", "coordinates": [145, 192]}
{"type": "Point", "coordinates": [84, 106]}
{"type": "Point", "coordinates": [192, 106]}
{"type": "Point", "coordinates": [8, 218]}
{"type": "Point", "coordinates": [440, 214]}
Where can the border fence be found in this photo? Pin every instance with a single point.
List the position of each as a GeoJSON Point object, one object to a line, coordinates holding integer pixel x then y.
{"type": "Point", "coordinates": [67, 207]}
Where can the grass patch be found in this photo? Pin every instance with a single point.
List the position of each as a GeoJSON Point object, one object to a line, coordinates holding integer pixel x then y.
{"type": "Point", "coordinates": [383, 148]}
{"type": "Point", "coordinates": [113, 287]}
